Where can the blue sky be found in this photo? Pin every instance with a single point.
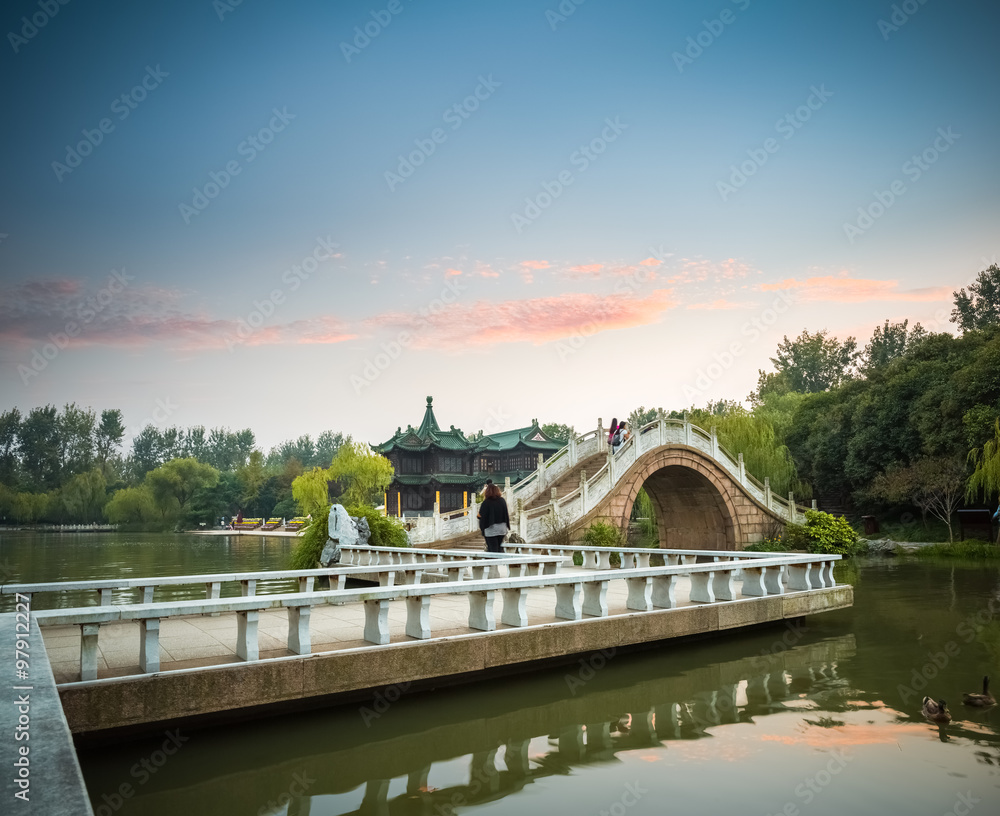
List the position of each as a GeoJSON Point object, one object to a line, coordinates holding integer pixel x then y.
{"type": "Point", "coordinates": [575, 238]}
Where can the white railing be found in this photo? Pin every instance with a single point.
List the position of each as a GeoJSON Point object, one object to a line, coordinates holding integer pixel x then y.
{"type": "Point", "coordinates": [648, 589]}
{"type": "Point", "coordinates": [572, 507]}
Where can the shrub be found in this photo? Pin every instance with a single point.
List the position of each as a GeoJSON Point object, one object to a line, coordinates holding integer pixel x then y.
{"type": "Point", "coordinates": [385, 532]}
{"type": "Point", "coordinates": [830, 535]}
{"type": "Point", "coordinates": [602, 534]}
{"type": "Point", "coordinates": [766, 545]}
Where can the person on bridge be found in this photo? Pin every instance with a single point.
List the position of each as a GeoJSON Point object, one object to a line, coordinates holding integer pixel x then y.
{"type": "Point", "coordinates": [494, 521]}
{"type": "Point", "coordinates": [620, 438]}
{"type": "Point", "coordinates": [611, 431]}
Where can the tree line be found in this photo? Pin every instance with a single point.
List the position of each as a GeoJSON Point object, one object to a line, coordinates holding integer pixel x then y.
{"type": "Point", "coordinates": [73, 466]}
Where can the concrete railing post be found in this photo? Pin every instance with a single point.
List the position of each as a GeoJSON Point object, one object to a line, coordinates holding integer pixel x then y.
{"type": "Point", "coordinates": [791, 506]}
{"type": "Point", "coordinates": [687, 430]}
{"type": "Point", "coordinates": [572, 450]}
{"type": "Point", "coordinates": [715, 443]}
{"type": "Point", "coordinates": [473, 511]}
{"type": "Point", "coordinates": [743, 471]}
{"type": "Point", "coordinates": [437, 520]}
{"type": "Point", "coordinates": [584, 490]}
{"type": "Point", "coordinates": [508, 494]}
{"type": "Point", "coordinates": [541, 471]}
{"type": "Point", "coordinates": [767, 492]}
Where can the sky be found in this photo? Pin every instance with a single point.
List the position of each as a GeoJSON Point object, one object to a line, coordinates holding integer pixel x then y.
{"type": "Point", "coordinates": [301, 216]}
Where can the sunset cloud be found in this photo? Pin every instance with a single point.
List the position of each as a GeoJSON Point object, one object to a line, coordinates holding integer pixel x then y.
{"type": "Point", "coordinates": [535, 265]}
{"type": "Point", "coordinates": [718, 304]}
{"type": "Point", "coordinates": [537, 320]}
{"type": "Point", "coordinates": [585, 270]}
{"type": "Point", "coordinates": [856, 290]}
{"type": "Point", "coordinates": [123, 314]}
{"type": "Point", "coordinates": [650, 262]}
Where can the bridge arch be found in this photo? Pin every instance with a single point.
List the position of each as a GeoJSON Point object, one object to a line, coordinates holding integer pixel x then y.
{"type": "Point", "coordinates": [697, 505]}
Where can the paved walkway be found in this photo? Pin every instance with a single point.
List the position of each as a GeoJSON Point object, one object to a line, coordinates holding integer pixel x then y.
{"type": "Point", "coordinates": [197, 640]}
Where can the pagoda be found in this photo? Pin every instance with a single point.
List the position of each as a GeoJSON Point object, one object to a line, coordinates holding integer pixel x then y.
{"type": "Point", "coordinates": [432, 465]}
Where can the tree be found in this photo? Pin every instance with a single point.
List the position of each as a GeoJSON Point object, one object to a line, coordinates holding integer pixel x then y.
{"type": "Point", "coordinates": [559, 431]}
{"type": "Point", "coordinates": [364, 474]}
{"type": "Point", "coordinates": [147, 452]}
{"type": "Point", "coordinates": [310, 491]}
{"type": "Point", "coordinates": [76, 437]}
{"type": "Point", "coordinates": [83, 497]}
{"type": "Point", "coordinates": [252, 476]}
{"type": "Point", "coordinates": [40, 448]}
{"type": "Point", "coordinates": [642, 416]}
{"type": "Point", "coordinates": [131, 505]}
{"type": "Point", "coordinates": [815, 362]}
{"type": "Point", "coordinates": [173, 483]}
{"type": "Point", "coordinates": [108, 436]}
{"type": "Point", "coordinates": [985, 476]}
{"type": "Point", "coordinates": [10, 427]}
{"type": "Point", "coordinates": [980, 306]}
{"type": "Point", "coordinates": [889, 342]}
{"type": "Point", "coordinates": [327, 445]}
{"type": "Point", "coordinates": [934, 484]}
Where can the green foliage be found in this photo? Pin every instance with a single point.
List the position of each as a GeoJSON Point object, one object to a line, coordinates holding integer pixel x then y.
{"type": "Point", "coordinates": [603, 534]}
{"type": "Point", "coordinates": [979, 308]}
{"type": "Point", "coordinates": [363, 473]}
{"type": "Point", "coordinates": [815, 362]}
{"type": "Point", "coordinates": [643, 513]}
{"type": "Point", "coordinates": [766, 545]}
{"type": "Point", "coordinates": [934, 485]}
{"type": "Point", "coordinates": [889, 342]}
{"type": "Point", "coordinates": [311, 541]}
{"type": "Point", "coordinates": [131, 505]}
{"type": "Point", "coordinates": [174, 483]}
{"type": "Point", "coordinates": [310, 491]}
{"type": "Point", "coordinates": [753, 435]}
{"type": "Point", "coordinates": [558, 430]}
{"type": "Point", "coordinates": [828, 535]}
{"type": "Point", "coordinates": [985, 461]}
{"type": "Point", "coordinates": [387, 531]}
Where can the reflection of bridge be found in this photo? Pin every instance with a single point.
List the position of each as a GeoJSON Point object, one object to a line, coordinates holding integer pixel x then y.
{"type": "Point", "coordinates": [405, 762]}
{"type": "Point", "coordinates": [702, 495]}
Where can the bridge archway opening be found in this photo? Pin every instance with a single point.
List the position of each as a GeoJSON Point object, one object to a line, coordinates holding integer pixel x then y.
{"type": "Point", "coordinates": [690, 511]}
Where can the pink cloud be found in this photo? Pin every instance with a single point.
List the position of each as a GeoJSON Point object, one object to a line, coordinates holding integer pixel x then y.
{"type": "Point", "coordinates": [535, 264]}
{"type": "Point", "coordinates": [585, 270]}
{"type": "Point", "coordinates": [856, 290]}
{"type": "Point", "coordinates": [718, 304]}
{"type": "Point", "coordinates": [650, 262]}
{"type": "Point", "coordinates": [451, 273]}
{"type": "Point", "coordinates": [537, 321]}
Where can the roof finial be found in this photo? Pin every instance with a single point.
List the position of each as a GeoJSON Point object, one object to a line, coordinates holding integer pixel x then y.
{"type": "Point", "coordinates": [430, 400]}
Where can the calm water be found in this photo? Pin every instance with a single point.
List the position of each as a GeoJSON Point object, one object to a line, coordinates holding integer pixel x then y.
{"type": "Point", "coordinates": [817, 720]}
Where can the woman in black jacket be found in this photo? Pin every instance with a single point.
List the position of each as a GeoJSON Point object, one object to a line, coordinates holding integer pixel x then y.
{"type": "Point", "coordinates": [494, 522]}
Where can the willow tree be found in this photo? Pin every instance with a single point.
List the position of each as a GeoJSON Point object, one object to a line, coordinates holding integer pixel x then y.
{"type": "Point", "coordinates": [985, 477]}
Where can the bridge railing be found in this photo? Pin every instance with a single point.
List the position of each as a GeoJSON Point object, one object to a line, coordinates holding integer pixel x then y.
{"type": "Point", "coordinates": [648, 589]}
{"type": "Point", "coordinates": [578, 503]}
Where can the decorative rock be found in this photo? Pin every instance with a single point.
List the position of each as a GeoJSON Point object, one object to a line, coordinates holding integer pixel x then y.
{"type": "Point", "coordinates": [343, 530]}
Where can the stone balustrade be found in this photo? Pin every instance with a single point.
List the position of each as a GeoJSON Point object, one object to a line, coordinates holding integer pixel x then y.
{"type": "Point", "coordinates": [576, 594]}
{"type": "Point", "coordinates": [581, 501]}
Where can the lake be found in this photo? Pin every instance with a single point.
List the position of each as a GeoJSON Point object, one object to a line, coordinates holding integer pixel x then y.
{"type": "Point", "coordinates": [820, 718]}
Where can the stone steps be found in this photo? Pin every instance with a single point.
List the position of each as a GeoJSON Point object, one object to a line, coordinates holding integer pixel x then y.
{"type": "Point", "coordinates": [570, 481]}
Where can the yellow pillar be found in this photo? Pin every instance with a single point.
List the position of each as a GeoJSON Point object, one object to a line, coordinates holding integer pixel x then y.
{"type": "Point", "coordinates": [399, 505]}
{"type": "Point", "coordinates": [465, 499]}
{"type": "Point", "coordinates": [437, 499]}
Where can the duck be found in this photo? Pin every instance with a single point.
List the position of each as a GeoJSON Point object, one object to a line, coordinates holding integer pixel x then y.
{"type": "Point", "coordinates": [983, 700]}
{"type": "Point", "coordinates": [936, 712]}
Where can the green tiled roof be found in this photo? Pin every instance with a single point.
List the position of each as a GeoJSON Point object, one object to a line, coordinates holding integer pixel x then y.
{"type": "Point", "coordinates": [429, 434]}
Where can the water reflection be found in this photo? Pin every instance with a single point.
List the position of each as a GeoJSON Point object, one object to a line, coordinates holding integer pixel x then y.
{"type": "Point", "coordinates": [431, 754]}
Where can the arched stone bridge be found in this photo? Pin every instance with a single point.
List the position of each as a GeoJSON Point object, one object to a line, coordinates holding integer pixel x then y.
{"type": "Point", "coordinates": [702, 495]}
